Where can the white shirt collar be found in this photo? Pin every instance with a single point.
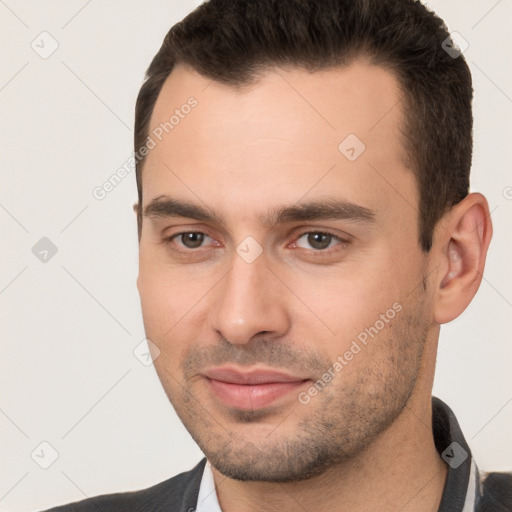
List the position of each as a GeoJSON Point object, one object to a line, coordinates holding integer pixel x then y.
{"type": "Point", "coordinates": [473, 491]}
{"type": "Point", "coordinates": [207, 500]}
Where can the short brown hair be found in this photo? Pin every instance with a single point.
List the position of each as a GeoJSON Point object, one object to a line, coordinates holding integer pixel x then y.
{"type": "Point", "coordinates": [232, 41]}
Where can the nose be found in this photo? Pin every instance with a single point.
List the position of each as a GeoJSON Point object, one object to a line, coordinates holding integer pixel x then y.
{"type": "Point", "coordinates": [249, 301]}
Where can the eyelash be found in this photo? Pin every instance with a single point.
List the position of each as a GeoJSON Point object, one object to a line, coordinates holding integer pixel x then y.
{"type": "Point", "coordinates": [328, 250]}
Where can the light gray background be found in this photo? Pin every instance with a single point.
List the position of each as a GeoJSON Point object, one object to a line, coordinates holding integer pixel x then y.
{"type": "Point", "coordinates": [69, 326]}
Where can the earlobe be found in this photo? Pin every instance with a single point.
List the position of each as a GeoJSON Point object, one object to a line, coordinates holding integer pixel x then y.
{"type": "Point", "coordinates": [463, 241]}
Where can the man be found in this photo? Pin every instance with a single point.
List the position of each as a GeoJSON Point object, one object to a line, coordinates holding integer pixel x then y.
{"type": "Point", "coordinates": [305, 228]}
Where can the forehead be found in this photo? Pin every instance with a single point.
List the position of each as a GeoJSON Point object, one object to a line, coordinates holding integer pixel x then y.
{"type": "Point", "coordinates": [291, 132]}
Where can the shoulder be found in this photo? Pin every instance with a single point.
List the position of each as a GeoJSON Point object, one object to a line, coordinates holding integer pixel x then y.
{"type": "Point", "coordinates": [496, 493]}
{"type": "Point", "coordinates": [176, 494]}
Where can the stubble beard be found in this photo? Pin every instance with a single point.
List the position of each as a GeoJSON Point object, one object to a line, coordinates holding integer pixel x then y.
{"type": "Point", "coordinates": [336, 427]}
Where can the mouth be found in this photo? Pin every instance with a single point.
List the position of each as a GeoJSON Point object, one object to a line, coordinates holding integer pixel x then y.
{"type": "Point", "coordinates": [253, 389]}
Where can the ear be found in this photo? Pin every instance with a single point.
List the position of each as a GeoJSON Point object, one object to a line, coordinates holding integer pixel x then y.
{"type": "Point", "coordinates": [138, 212]}
{"type": "Point", "coordinates": [461, 243]}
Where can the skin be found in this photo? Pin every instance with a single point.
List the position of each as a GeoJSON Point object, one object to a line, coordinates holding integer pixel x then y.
{"type": "Point", "coordinates": [364, 442]}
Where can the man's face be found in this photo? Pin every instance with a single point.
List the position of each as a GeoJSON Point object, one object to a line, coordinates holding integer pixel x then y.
{"type": "Point", "coordinates": [284, 285]}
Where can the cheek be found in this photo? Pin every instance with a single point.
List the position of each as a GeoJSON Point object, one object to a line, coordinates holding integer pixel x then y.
{"type": "Point", "coordinates": [162, 327]}
{"type": "Point", "coordinates": [155, 298]}
{"type": "Point", "coordinates": [347, 298]}
{"type": "Point", "coordinates": [172, 307]}
{"type": "Point", "coordinates": [354, 311]}
{"type": "Point", "coordinates": [163, 291]}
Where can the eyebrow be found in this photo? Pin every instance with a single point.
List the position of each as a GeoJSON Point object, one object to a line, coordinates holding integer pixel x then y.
{"type": "Point", "coordinates": [165, 206]}
{"type": "Point", "coordinates": [328, 209]}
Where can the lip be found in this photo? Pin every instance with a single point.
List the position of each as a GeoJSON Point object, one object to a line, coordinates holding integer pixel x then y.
{"type": "Point", "coordinates": [253, 389]}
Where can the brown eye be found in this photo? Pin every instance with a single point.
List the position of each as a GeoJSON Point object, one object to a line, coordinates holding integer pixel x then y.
{"type": "Point", "coordinates": [192, 240]}
{"type": "Point", "coordinates": [317, 240]}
